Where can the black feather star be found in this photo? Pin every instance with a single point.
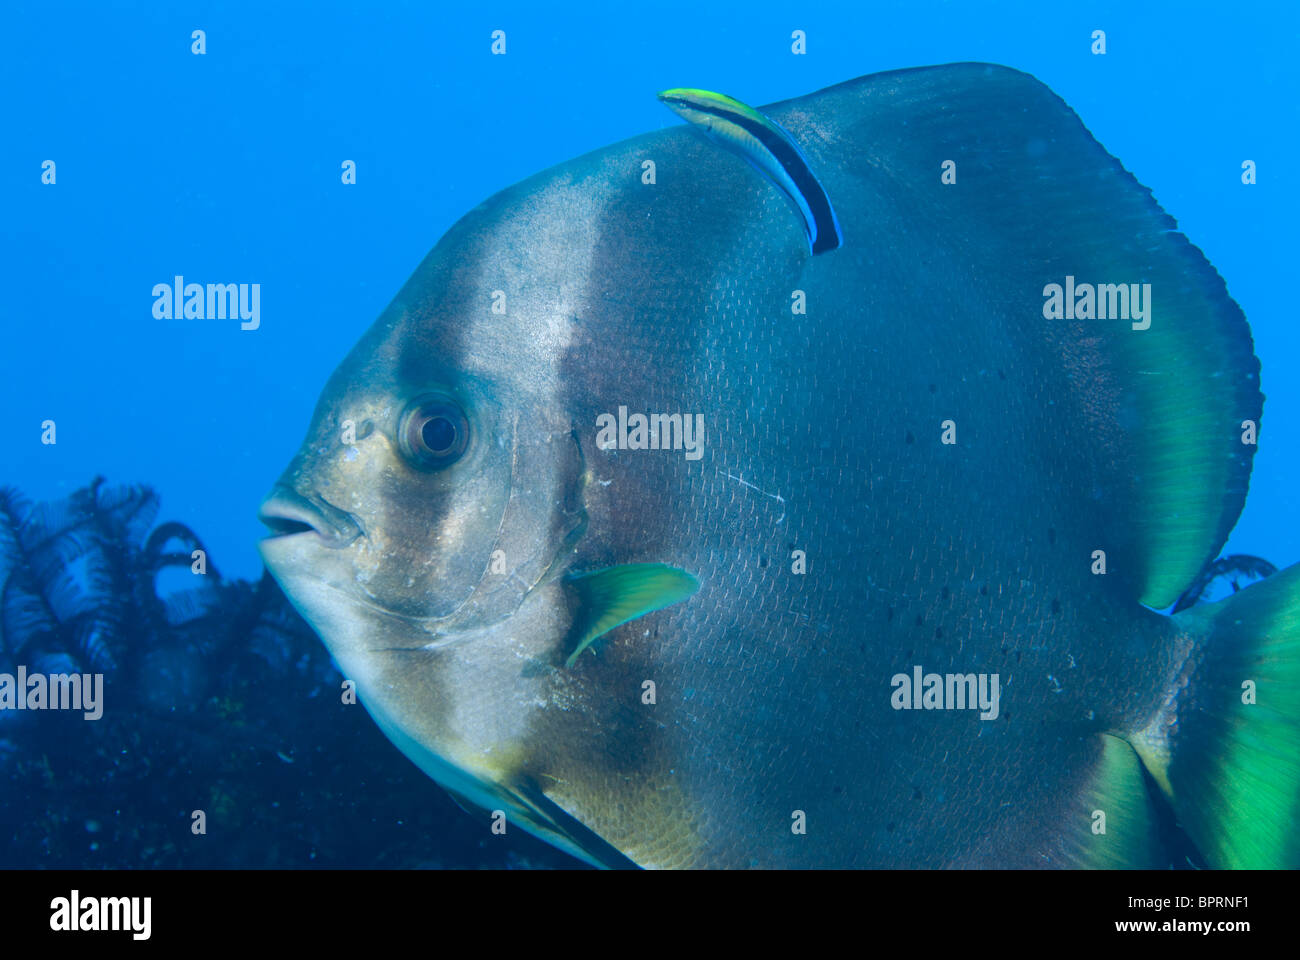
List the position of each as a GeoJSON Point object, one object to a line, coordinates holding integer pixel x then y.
{"type": "Point", "coordinates": [79, 578]}
{"type": "Point", "coordinates": [1232, 572]}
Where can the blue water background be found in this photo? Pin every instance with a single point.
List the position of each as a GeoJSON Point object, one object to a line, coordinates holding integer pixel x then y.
{"type": "Point", "coordinates": [226, 168]}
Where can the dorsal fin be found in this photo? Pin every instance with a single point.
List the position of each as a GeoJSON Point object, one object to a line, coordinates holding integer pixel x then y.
{"type": "Point", "coordinates": [1138, 430]}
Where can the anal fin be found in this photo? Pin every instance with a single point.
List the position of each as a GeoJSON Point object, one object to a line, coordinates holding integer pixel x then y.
{"type": "Point", "coordinates": [1114, 825]}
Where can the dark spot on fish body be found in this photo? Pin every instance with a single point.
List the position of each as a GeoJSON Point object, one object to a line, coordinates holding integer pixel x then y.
{"type": "Point", "coordinates": [938, 633]}
{"type": "Point", "coordinates": [1056, 608]}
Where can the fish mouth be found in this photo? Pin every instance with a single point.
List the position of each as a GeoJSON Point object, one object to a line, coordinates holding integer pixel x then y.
{"type": "Point", "coordinates": [289, 514]}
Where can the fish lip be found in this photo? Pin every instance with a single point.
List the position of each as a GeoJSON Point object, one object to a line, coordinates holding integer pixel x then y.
{"type": "Point", "coordinates": [290, 514]}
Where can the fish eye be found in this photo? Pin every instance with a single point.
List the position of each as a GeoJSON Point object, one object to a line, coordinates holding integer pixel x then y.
{"type": "Point", "coordinates": [434, 432]}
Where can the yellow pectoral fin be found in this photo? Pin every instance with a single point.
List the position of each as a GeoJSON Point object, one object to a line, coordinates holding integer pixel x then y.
{"type": "Point", "coordinates": [611, 597]}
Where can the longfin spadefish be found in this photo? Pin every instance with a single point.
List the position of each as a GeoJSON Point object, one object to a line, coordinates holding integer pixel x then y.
{"type": "Point", "coordinates": [769, 149]}
{"type": "Point", "coordinates": [613, 596]}
{"type": "Point", "coordinates": [1225, 746]}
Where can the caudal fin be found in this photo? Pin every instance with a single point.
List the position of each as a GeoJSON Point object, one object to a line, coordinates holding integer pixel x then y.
{"type": "Point", "coordinates": [1226, 746]}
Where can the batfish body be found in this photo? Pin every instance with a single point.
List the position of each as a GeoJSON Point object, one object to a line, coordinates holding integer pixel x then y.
{"type": "Point", "coordinates": [861, 553]}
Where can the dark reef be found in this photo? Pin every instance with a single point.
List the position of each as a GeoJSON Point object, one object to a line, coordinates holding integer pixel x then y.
{"type": "Point", "coordinates": [217, 697]}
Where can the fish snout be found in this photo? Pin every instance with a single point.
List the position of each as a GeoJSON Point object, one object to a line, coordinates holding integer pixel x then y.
{"type": "Point", "coordinates": [288, 513]}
